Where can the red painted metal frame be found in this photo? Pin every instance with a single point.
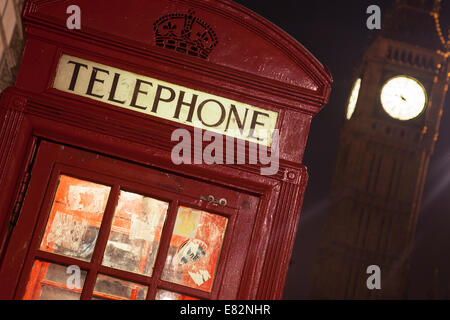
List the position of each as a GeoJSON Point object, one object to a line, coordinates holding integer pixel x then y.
{"type": "Point", "coordinates": [254, 62]}
{"type": "Point", "coordinates": [54, 160]}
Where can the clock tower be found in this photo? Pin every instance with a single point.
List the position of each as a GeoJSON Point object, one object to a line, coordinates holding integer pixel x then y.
{"type": "Point", "coordinates": [385, 145]}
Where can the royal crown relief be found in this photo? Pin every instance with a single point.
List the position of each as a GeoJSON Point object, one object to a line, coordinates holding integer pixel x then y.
{"type": "Point", "coordinates": [185, 33]}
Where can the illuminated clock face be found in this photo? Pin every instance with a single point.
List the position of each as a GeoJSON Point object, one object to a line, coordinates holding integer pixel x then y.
{"type": "Point", "coordinates": [353, 98]}
{"type": "Point", "coordinates": [403, 98]}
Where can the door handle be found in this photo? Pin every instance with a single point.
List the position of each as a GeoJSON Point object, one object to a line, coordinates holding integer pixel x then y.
{"type": "Point", "coordinates": [211, 199]}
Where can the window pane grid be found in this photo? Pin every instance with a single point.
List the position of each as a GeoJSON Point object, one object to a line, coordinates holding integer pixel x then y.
{"type": "Point", "coordinates": [117, 289]}
{"type": "Point", "coordinates": [158, 283]}
{"type": "Point", "coordinates": [97, 268]}
{"type": "Point", "coordinates": [49, 281]}
{"type": "Point", "coordinates": [55, 258]}
{"type": "Point", "coordinates": [101, 242]}
{"type": "Point", "coordinates": [135, 234]}
{"type": "Point", "coordinates": [163, 248]}
{"type": "Point", "coordinates": [125, 275]}
{"type": "Point", "coordinates": [94, 267]}
{"type": "Point", "coordinates": [183, 290]}
{"type": "Point", "coordinates": [151, 284]}
{"type": "Point", "coordinates": [119, 274]}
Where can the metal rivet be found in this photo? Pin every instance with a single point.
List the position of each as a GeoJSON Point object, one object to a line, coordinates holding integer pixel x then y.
{"type": "Point", "coordinates": [223, 202]}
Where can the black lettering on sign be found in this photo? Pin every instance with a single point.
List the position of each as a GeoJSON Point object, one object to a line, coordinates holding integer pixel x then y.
{"type": "Point", "coordinates": [255, 122]}
{"type": "Point", "coordinates": [76, 71]}
{"type": "Point", "coordinates": [93, 80]}
{"type": "Point", "coordinates": [137, 91]}
{"type": "Point", "coordinates": [158, 97]}
{"type": "Point", "coordinates": [181, 103]}
{"type": "Point", "coordinates": [112, 93]}
{"type": "Point", "coordinates": [167, 101]}
{"type": "Point", "coordinates": [222, 115]}
{"type": "Point", "coordinates": [240, 124]}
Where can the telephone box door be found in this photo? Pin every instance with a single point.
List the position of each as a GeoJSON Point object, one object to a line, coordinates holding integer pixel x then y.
{"type": "Point", "coordinates": [96, 227]}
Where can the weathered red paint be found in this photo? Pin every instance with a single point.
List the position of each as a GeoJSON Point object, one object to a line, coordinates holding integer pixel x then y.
{"type": "Point", "coordinates": [253, 62]}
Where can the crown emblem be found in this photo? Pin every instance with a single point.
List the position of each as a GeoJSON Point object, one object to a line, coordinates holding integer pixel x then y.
{"type": "Point", "coordinates": [185, 33]}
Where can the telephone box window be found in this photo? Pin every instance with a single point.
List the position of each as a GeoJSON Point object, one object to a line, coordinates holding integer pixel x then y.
{"type": "Point", "coordinates": [195, 247]}
{"type": "Point", "coordinates": [135, 234]}
{"type": "Point", "coordinates": [109, 288]}
{"type": "Point", "coordinates": [74, 221]}
{"type": "Point", "coordinates": [169, 295]}
{"type": "Point", "coordinates": [48, 281]}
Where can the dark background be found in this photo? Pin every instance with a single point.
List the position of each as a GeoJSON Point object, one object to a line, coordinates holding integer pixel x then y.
{"type": "Point", "coordinates": [335, 33]}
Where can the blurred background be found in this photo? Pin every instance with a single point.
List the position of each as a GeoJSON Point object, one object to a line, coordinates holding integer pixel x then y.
{"type": "Point", "coordinates": [335, 33]}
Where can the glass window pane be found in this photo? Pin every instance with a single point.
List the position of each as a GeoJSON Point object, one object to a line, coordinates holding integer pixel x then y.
{"type": "Point", "coordinates": [110, 288]}
{"type": "Point", "coordinates": [135, 234]}
{"type": "Point", "coordinates": [194, 248]}
{"type": "Point", "coordinates": [74, 221]}
{"type": "Point", "coordinates": [169, 295]}
{"type": "Point", "coordinates": [49, 281]}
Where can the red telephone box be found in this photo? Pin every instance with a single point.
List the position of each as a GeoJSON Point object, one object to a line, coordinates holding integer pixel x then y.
{"type": "Point", "coordinates": [87, 174]}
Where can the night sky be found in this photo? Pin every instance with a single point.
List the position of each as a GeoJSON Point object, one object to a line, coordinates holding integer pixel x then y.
{"type": "Point", "coordinates": [335, 33]}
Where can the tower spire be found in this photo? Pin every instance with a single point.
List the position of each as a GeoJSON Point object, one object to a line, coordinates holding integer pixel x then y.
{"type": "Point", "coordinates": [421, 5]}
{"type": "Point", "coordinates": [416, 22]}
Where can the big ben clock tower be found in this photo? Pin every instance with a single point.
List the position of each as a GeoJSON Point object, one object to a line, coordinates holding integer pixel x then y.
{"type": "Point", "coordinates": [391, 128]}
